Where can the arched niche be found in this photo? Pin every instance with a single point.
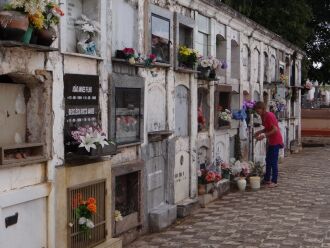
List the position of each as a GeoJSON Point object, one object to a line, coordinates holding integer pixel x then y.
{"type": "Point", "coordinates": [181, 110]}
{"type": "Point", "coordinates": [272, 66]}
{"type": "Point", "coordinates": [246, 62]}
{"type": "Point", "coordinates": [266, 67]}
{"type": "Point", "coordinates": [221, 50]}
{"type": "Point", "coordinates": [235, 60]}
{"type": "Point", "coordinates": [256, 66]}
{"type": "Point", "coordinates": [203, 109]}
{"type": "Point", "coordinates": [156, 108]}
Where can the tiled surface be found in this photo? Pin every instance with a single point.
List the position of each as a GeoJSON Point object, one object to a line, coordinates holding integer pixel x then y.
{"type": "Point", "coordinates": [296, 214]}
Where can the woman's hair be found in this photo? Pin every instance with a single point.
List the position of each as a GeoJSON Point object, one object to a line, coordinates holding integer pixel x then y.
{"type": "Point", "coordinates": [260, 105]}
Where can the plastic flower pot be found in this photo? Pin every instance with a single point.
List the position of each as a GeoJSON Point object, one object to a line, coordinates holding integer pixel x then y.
{"type": "Point", "coordinates": [27, 36]}
{"type": "Point", "coordinates": [255, 182]}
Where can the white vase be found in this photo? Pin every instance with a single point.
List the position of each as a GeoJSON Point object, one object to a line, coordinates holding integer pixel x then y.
{"type": "Point", "coordinates": [255, 182]}
{"type": "Point", "coordinates": [241, 183]}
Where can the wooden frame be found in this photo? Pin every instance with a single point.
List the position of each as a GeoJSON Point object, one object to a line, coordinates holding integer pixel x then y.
{"type": "Point", "coordinates": [218, 90]}
{"type": "Point", "coordinates": [162, 13]}
{"type": "Point", "coordinates": [189, 23]}
{"type": "Point", "coordinates": [125, 81]}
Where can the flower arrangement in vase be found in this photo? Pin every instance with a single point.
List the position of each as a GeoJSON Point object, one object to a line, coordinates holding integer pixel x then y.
{"type": "Point", "coordinates": [51, 18]}
{"type": "Point", "coordinates": [224, 117]}
{"type": "Point", "coordinates": [133, 58]}
{"type": "Point", "coordinates": [84, 211]}
{"type": "Point", "coordinates": [91, 139]}
{"type": "Point", "coordinates": [208, 66]}
{"type": "Point", "coordinates": [206, 180]}
{"type": "Point", "coordinates": [240, 170]}
{"type": "Point", "coordinates": [187, 57]}
{"type": "Point", "coordinates": [87, 30]}
{"type": "Point", "coordinates": [19, 19]}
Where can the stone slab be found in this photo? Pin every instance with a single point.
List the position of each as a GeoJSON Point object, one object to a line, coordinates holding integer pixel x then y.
{"type": "Point", "coordinates": [162, 217]}
{"type": "Point", "coordinates": [186, 207]}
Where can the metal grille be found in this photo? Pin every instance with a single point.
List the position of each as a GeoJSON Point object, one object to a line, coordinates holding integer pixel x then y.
{"type": "Point", "coordinates": [76, 237]}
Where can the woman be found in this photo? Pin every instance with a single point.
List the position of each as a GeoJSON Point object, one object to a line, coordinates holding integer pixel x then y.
{"type": "Point", "coordinates": [275, 142]}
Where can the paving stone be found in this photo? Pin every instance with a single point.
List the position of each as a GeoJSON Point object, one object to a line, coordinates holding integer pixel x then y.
{"type": "Point", "coordinates": [295, 214]}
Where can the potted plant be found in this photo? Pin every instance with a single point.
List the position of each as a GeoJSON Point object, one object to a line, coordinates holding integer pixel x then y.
{"type": "Point", "coordinates": [187, 57]}
{"type": "Point", "coordinates": [92, 141]}
{"type": "Point", "coordinates": [206, 180]}
{"type": "Point", "coordinates": [240, 171]}
{"type": "Point", "coordinates": [14, 20]}
{"type": "Point", "coordinates": [257, 172]}
{"type": "Point", "coordinates": [46, 34]}
{"type": "Point", "coordinates": [86, 32]}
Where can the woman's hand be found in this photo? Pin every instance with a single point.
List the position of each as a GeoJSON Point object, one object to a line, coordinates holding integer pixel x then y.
{"type": "Point", "coordinates": [261, 137]}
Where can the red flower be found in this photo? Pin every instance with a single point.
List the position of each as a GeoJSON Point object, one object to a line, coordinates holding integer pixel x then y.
{"type": "Point", "coordinates": [128, 51]}
{"type": "Point", "coordinates": [152, 56]}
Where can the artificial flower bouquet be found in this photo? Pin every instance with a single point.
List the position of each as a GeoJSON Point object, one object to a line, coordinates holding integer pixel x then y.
{"type": "Point", "coordinates": [118, 216]}
{"type": "Point", "coordinates": [208, 66]}
{"type": "Point", "coordinates": [132, 57]}
{"type": "Point", "coordinates": [206, 176]}
{"type": "Point", "coordinates": [84, 211]}
{"type": "Point", "coordinates": [284, 79]}
{"type": "Point", "coordinates": [90, 139]}
{"type": "Point", "coordinates": [42, 15]}
{"type": "Point", "coordinates": [187, 57]}
{"type": "Point", "coordinates": [240, 169]}
{"type": "Point", "coordinates": [224, 117]}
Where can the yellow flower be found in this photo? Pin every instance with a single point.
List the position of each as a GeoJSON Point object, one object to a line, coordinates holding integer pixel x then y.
{"type": "Point", "coordinates": [37, 20]}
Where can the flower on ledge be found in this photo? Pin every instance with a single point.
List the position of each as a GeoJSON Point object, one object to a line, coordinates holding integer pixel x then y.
{"type": "Point", "coordinates": [89, 137]}
{"type": "Point", "coordinates": [118, 216]}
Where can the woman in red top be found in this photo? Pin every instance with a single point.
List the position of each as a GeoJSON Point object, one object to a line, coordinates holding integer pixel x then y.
{"type": "Point", "coordinates": [275, 142]}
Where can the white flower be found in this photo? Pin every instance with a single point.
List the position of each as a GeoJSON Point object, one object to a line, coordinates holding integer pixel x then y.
{"type": "Point", "coordinates": [82, 221]}
{"type": "Point", "coordinates": [90, 224]}
{"type": "Point", "coordinates": [87, 142]}
{"type": "Point", "coordinates": [131, 61]}
{"type": "Point", "coordinates": [199, 173]}
{"type": "Point", "coordinates": [98, 138]}
{"type": "Point", "coordinates": [118, 216]}
{"type": "Point", "coordinates": [205, 63]}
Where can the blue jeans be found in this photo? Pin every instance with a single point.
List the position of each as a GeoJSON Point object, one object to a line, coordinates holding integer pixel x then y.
{"type": "Point", "coordinates": [272, 163]}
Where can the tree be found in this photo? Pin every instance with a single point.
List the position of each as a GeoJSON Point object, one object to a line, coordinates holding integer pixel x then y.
{"type": "Point", "coordinates": [318, 44]}
{"type": "Point", "coordinates": [305, 23]}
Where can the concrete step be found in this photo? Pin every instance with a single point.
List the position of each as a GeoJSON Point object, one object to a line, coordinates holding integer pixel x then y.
{"type": "Point", "coordinates": [162, 217]}
{"type": "Point", "coordinates": [186, 207]}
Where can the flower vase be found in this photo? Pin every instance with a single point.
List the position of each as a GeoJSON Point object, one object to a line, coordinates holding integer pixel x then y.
{"type": "Point", "coordinates": [255, 182]}
{"type": "Point", "coordinates": [46, 36]}
{"type": "Point", "coordinates": [241, 183]}
{"type": "Point", "coordinates": [13, 25]}
{"type": "Point", "coordinates": [85, 44]}
{"type": "Point", "coordinates": [204, 72]}
{"type": "Point", "coordinates": [27, 36]}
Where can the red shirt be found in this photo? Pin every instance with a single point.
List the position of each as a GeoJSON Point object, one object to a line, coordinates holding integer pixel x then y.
{"type": "Point", "coordinates": [268, 121]}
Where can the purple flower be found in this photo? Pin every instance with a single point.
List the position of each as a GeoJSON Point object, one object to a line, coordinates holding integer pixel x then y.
{"type": "Point", "coordinates": [224, 65]}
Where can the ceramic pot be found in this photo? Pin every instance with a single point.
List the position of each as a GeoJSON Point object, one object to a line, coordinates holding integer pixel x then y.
{"type": "Point", "coordinates": [13, 25]}
{"type": "Point", "coordinates": [46, 36]}
{"type": "Point", "coordinates": [204, 72]}
{"type": "Point", "coordinates": [241, 183]}
{"type": "Point", "coordinates": [255, 183]}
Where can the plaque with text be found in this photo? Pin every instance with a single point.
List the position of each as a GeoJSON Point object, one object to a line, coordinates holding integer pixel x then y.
{"type": "Point", "coordinates": [81, 94]}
